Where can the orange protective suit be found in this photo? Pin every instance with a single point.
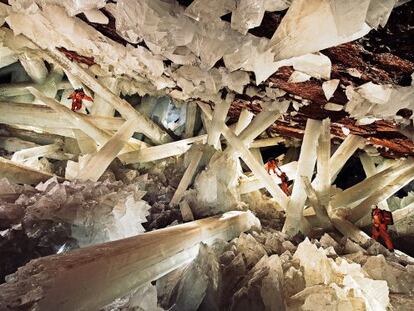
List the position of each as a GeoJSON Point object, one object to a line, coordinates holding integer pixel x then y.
{"type": "Point", "coordinates": [271, 166]}
{"type": "Point", "coordinates": [77, 97]}
{"type": "Point", "coordinates": [379, 228]}
{"type": "Point", "coordinates": [285, 186]}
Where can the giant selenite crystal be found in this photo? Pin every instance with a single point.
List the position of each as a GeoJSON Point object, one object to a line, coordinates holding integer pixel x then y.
{"type": "Point", "coordinates": [310, 26]}
{"type": "Point", "coordinates": [306, 164]}
{"type": "Point", "coordinates": [112, 270]}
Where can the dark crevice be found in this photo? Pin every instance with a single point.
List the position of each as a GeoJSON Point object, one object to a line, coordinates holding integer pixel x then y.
{"type": "Point", "coordinates": [270, 22]}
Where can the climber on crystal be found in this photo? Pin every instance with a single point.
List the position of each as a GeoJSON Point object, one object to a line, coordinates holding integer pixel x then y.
{"type": "Point", "coordinates": [272, 166]}
{"type": "Point", "coordinates": [77, 97]}
{"type": "Point", "coordinates": [285, 186]}
{"type": "Point", "coordinates": [380, 221]}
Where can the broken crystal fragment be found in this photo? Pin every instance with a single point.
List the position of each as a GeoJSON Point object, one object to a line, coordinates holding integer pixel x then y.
{"type": "Point", "coordinates": [248, 14]}
{"type": "Point", "coordinates": [298, 77]}
{"type": "Point", "coordinates": [399, 279]}
{"type": "Point", "coordinates": [329, 88]}
{"type": "Point", "coordinates": [297, 35]}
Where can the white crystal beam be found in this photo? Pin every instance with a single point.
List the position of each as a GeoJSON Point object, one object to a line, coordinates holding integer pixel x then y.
{"type": "Point", "coordinates": [50, 86]}
{"type": "Point", "coordinates": [40, 151]}
{"type": "Point", "coordinates": [311, 25]}
{"type": "Point", "coordinates": [370, 170]}
{"type": "Point", "coordinates": [266, 142]}
{"type": "Point", "coordinates": [259, 124]}
{"type": "Point", "coordinates": [306, 165]}
{"type": "Point", "coordinates": [381, 193]}
{"type": "Point", "coordinates": [79, 121]}
{"type": "Point", "coordinates": [146, 126]}
{"type": "Point", "coordinates": [100, 106]}
{"type": "Point", "coordinates": [162, 151]}
{"type": "Point", "coordinates": [245, 118]}
{"type": "Point", "coordinates": [316, 203]}
{"type": "Point", "coordinates": [343, 153]}
{"type": "Point", "coordinates": [99, 162]}
{"type": "Point", "coordinates": [85, 143]}
{"type": "Point", "coordinates": [13, 144]}
{"type": "Point", "coordinates": [190, 119]}
{"type": "Point", "coordinates": [403, 213]}
{"type": "Point", "coordinates": [323, 179]}
{"type": "Point", "coordinates": [248, 158]}
{"type": "Point", "coordinates": [111, 270]}
{"type": "Point", "coordinates": [19, 173]}
{"type": "Point", "coordinates": [219, 116]}
{"type": "Point", "coordinates": [187, 177]}
{"type": "Point", "coordinates": [34, 66]}
{"type": "Point", "coordinates": [20, 88]}
{"type": "Point", "coordinates": [42, 116]}
{"type": "Point", "coordinates": [349, 230]}
{"type": "Point", "coordinates": [365, 188]}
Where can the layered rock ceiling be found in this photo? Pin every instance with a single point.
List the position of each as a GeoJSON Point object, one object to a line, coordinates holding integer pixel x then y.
{"type": "Point", "coordinates": [191, 51]}
{"type": "Point", "coordinates": [183, 102]}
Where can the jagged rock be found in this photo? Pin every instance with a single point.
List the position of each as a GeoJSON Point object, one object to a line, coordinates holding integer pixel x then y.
{"type": "Point", "coordinates": [167, 287]}
{"type": "Point", "coordinates": [251, 250]}
{"type": "Point", "coordinates": [322, 297]}
{"type": "Point", "coordinates": [400, 279]}
{"type": "Point", "coordinates": [294, 281]}
{"type": "Point", "coordinates": [319, 269]}
{"type": "Point", "coordinates": [262, 288]}
{"type": "Point", "coordinates": [198, 276]}
{"type": "Point", "coordinates": [352, 247]}
{"type": "Point", "coordinates": [327, 241]}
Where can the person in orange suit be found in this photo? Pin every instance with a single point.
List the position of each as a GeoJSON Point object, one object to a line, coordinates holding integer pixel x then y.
{"type": "Point", "coordinates": [77, 97]}
{"type": "Point", "coordinates": [285, 186]}
{"type": "Point", "coordinates": [272, 166]}
{"type": "Point", "coordinates": [380, 221]}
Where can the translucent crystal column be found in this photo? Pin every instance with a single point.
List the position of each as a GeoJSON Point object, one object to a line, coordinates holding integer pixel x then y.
{"type": "Point", "coordinates": [99, 161]}
{"type": "Point", "coordinates": [245, 118]}
{"type": "Point", "coordinates": [219, 116]}
{"type": "Point", "coordinates": [323, 180]}
{"type": "Point", "coordinates": [36, 152]}
{"type": "Point", "coordinates": [19, 173]}
{"type": "Point", "coordinates": [50, 86]}
{"type": "Point", "coordinates": [349, 230]}
{"type": "Point", "coordinates": [17, 89]}
{"type": "Point", "coordinates": [162, 151]}
{"type": "Point", "coordinates": [248, 158]}
{"type": "Point", "coordinates": [370, 170]}
{"type": "Point", "coordinates": [353, 195]}
{"type": "Point", "coordinates": [100, 106]}
{"type": "Point", "coordinates": [91, 277]}
{"type": "Point", "coordinates": [316, 202]}
{"type": "Point", "coordinates": [306, 165]}
{"type": "Point", "coordinates": [190, 119]}
{"type": "Point", "coordinates": [403, 213]}
{"type": "Point", "coordinates": [187, 177]}
{"type": "Point", "coordinates": [381, 193]}
{"type": "Point", "coordinates": [34, 66]}
{"type": "Point", "coordinates": [343, 153]}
